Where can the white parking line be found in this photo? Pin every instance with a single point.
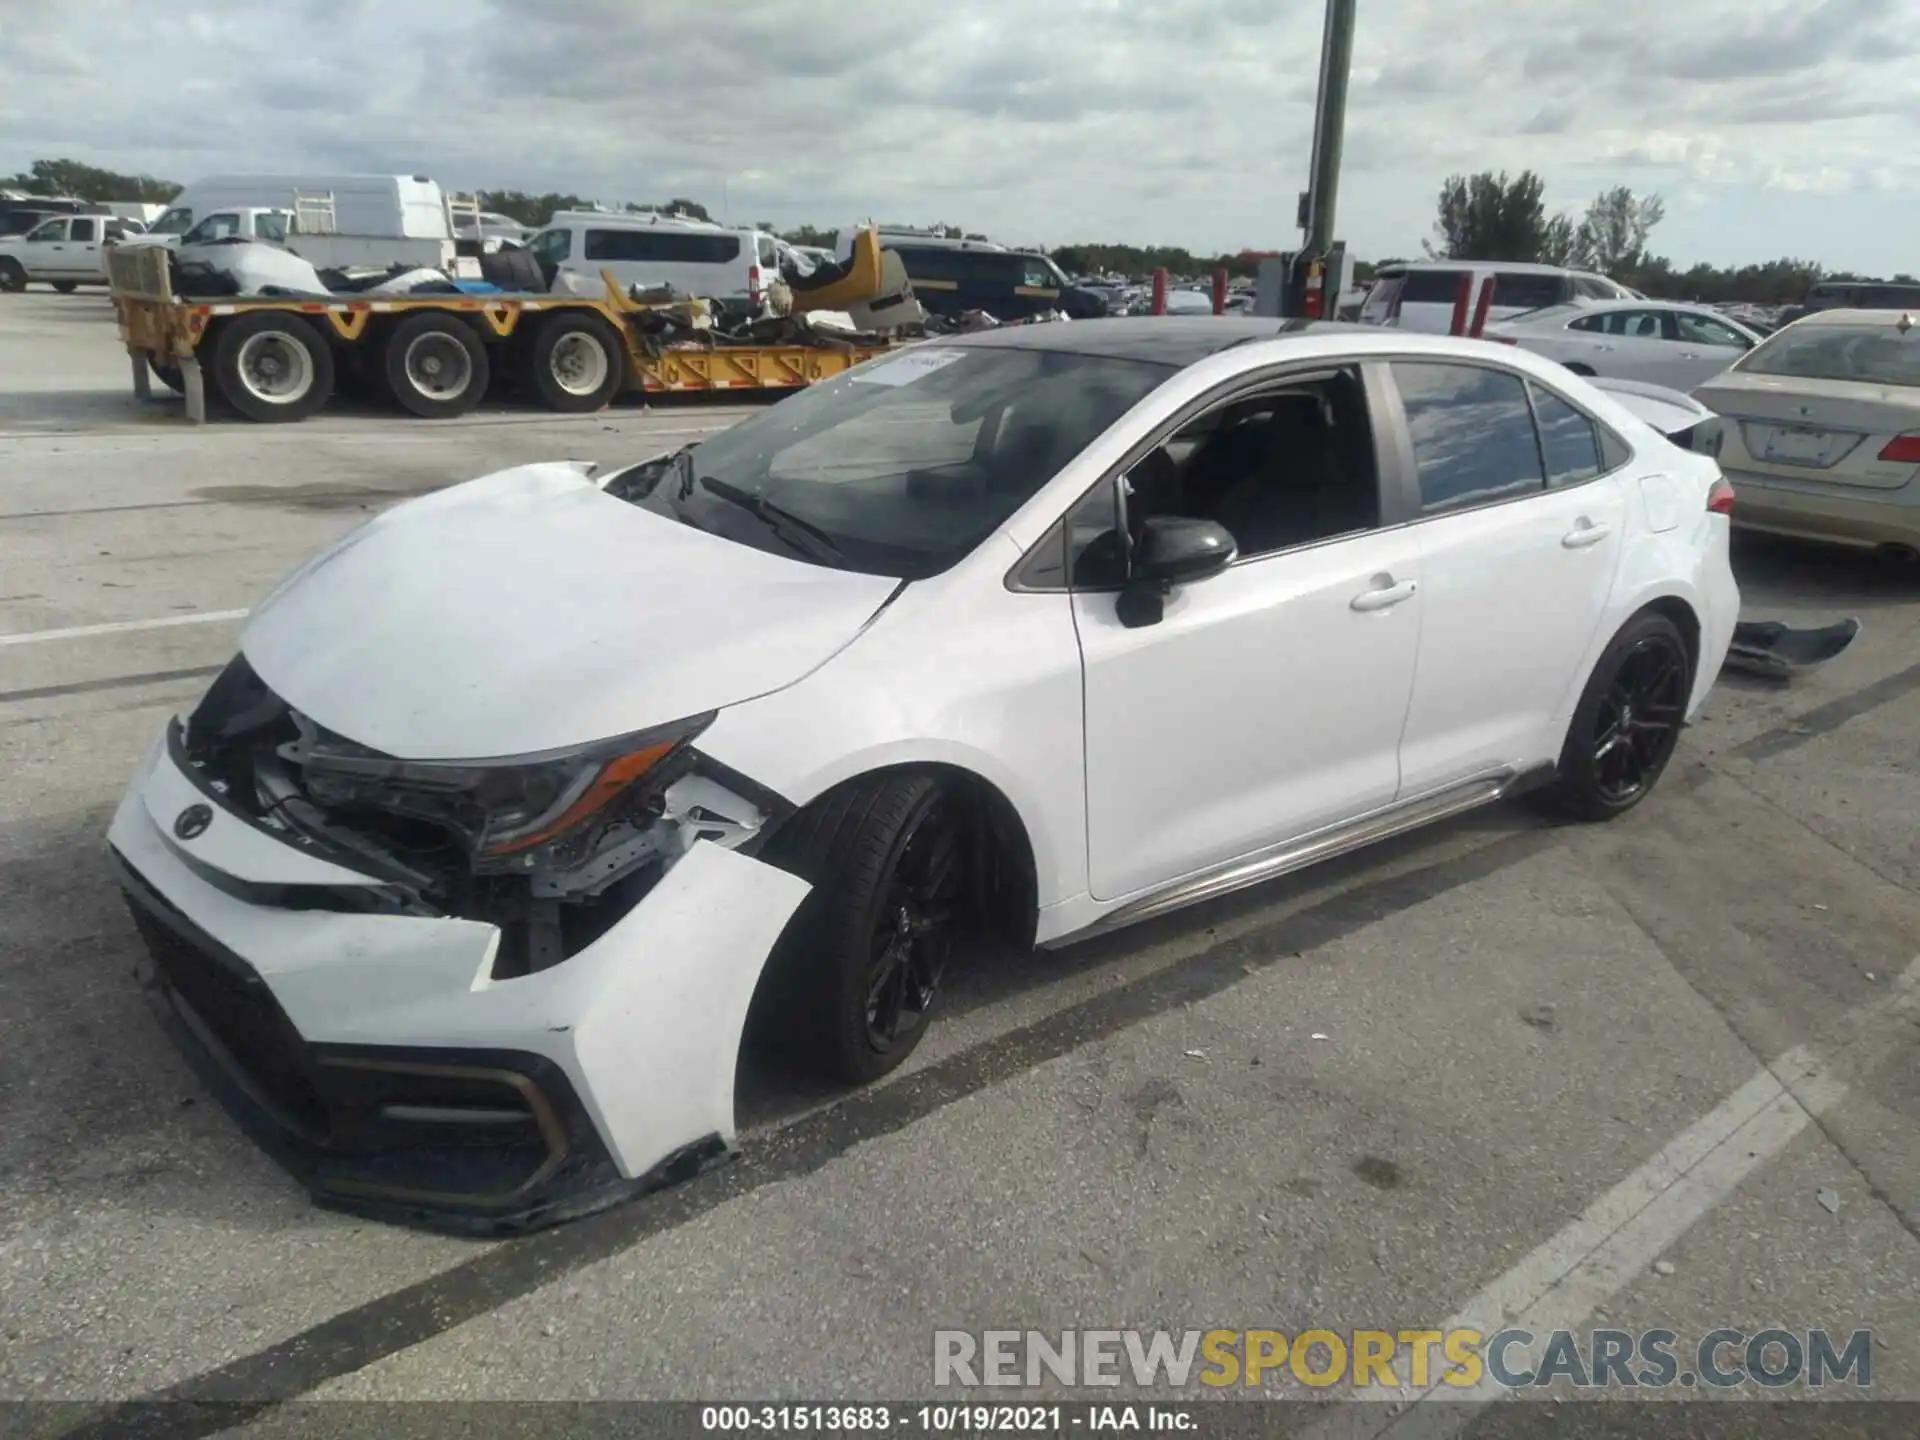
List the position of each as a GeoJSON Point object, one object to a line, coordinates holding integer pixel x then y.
{"type": "Point", "coordinates": [1560, 1284]}
{"type": "Point", "coordinates": [121, 627]}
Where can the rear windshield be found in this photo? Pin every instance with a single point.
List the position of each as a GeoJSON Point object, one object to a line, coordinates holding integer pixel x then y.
{"type": "Point", "coordinates": [1873, 355]}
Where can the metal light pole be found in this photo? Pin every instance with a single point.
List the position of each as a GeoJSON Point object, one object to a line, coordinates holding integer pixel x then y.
{"type": "Point", "coordinates": [1329, 127]}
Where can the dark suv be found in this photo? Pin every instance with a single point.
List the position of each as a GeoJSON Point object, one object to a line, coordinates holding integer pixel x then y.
{"type": "Point", "coordinates": [952, 278]}
{"type": "Point", "coordinates": [1855, 295]}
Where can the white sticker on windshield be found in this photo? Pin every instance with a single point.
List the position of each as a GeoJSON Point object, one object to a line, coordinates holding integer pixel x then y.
{"type": "Point", "coordinates": [907, 368]}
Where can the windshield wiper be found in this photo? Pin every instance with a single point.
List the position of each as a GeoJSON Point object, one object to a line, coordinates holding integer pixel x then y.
{"type": "Point", "coordinates": [801, 535]}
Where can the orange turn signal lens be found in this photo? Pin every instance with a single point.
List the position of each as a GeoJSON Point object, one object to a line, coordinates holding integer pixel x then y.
{"type": "Point", "coordinates": [615, 776]}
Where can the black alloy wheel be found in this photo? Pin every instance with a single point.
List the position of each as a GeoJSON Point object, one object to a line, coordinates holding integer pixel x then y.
{"type": "Point", "coordinates": [914, 928]}
{"type": "Point", "coordinates": [1639, 718]}
{"type": "Point", "coordinates": [1628, 721]}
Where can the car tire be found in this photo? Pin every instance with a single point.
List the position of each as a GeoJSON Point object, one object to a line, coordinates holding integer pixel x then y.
{"type": "Point", "coordinates": [577, 363]}
{"type": "Point", "coordinates": [13, 275]}
{"type": "Point", "coordinates": [434, 366]}
{"type": "Point", "coordinates": [1627, 723]}
{"type": "Point", "coordinates": [65, 287]}
{"type": "Point", "coordinates": [1576, 368]}
{"type": "Point", "coordinates": [272, 367]}
{"type": "Point", "coordinates": [858, 971]}
{"type": "Point", "coordinates": [517, 271]}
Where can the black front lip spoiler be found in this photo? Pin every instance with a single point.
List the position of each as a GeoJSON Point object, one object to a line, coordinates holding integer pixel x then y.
{"type": "Point", "coordinates": [577, 1177]}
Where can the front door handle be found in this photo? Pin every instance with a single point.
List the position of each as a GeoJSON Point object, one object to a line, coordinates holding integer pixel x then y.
{"type": "Point", "coordinates": [1385, 593]}
{"type": "Point", "coordinates": [1584, 534]}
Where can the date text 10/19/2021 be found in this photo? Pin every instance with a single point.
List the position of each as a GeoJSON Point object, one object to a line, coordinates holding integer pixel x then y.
{"type": "Point", "coordinates": [960, 1419]}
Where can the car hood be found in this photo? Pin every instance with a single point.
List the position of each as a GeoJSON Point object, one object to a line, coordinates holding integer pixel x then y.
{"type": "Point", "coordinates": [528, 611]}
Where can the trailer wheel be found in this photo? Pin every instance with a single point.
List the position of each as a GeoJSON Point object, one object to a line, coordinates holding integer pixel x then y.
{"type": "Point", "coordinates": [65, 287]}
{"type": "Point", "coordinates": [272, 367]}
{"type": "Point", "coordinates": [435, 366]}
{"type": "Point", "coordinates": [13, 275]}
{"type": "Point", "coordinates": [577, 363]}
{"type": "Point", "coordinates": [168, 374]}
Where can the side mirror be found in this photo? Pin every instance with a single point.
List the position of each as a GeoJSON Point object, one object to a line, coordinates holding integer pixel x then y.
{"type": "Point", "coordinates": [1172, 550]}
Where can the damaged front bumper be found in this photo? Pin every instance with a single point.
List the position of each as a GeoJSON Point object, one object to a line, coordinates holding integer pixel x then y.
{"type": "Point", "coordinates": [380, 1058]}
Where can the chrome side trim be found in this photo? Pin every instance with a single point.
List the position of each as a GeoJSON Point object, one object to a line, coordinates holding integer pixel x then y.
{"type": "Point", "coordinates": [1323, 844]}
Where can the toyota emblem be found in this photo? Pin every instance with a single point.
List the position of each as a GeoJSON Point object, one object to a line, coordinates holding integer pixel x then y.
{"type": "Point", "coordinates": [193, 821]}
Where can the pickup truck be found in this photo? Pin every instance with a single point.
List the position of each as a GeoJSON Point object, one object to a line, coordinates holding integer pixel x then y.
{"type": "Point", "coordinates": [64, 252]}
{"type": "Point", "coordinates": [310, 235]}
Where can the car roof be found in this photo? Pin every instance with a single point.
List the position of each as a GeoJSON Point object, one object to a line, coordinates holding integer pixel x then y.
{"type": "Point", "coordinates": [1177, 340]}
{"type": "Point", "coordinates": [1894, 315]}
{"type": "Point", "coordinates": [1505, 267]}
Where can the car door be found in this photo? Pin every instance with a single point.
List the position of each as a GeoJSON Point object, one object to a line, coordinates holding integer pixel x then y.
{"type": "Point", "coordinates": [1706, 346]}
{"type": "Point", "coordinates": [80, 257]}
{"type": "Point", "coordinates": [1267, 700]}
{"type": "Point", "coordinates": [1519, 538]}
{"type": "Point", "coordinates": [43, 253]}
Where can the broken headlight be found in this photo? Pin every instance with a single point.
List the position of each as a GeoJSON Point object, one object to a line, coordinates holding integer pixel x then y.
{"type": "Point", "coordinates": [510, 814]}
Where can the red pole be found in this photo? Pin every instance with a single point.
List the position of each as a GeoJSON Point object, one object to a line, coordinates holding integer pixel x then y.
{"type": "Point", "coordinates": [1159, 292]}
{"type": "Point", "coordinates": [1480, 309]}
{"type": "Point", "coordinates": [1220, 292]}
{"type": "Point", "coordinates": [1460, 302]}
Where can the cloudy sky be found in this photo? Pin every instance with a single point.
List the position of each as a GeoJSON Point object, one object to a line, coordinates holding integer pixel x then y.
{"type": "Point", "coordinates": [1770, 128]}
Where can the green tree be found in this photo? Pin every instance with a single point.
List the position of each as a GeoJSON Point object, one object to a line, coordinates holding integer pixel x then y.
{"type": "Point", "coordinates": [1614, 234]}
{"type": "Point", "coordinates": [530, 209]}
{"type": "Point", "coordinates": [89, 182]}
{"type": "Point", "coordinates": [1489, 217]}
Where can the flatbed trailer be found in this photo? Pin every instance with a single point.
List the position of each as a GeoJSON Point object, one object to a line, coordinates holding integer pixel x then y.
{"type": "Point", "coordinates": [277, 358]}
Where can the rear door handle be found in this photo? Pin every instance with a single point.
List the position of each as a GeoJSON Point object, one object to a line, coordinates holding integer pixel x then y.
{"type": "Point", "coordinates": [1585, 534]}
{"type": "Point", "coordinates": [1386, 592]}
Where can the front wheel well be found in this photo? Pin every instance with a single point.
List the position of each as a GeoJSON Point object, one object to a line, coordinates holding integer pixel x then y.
{"type": "Point", "coordinates": [1006, 891]}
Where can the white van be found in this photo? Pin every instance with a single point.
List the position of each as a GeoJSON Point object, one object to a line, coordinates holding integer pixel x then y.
{"type": "Point", "coordinates": [408, 207]}
{"type": "Point", "coordinates": [733, 268]}
{"type": "Point", "coordinates": [1422, 295]}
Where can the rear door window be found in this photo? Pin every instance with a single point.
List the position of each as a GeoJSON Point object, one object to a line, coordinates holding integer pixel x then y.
{"type": "Point", "coordinates": [1431, 287]}
{"type": "Point", "coordinates": [662, 247]}
{"type": "Point", "coordinates": [1472, 432]}
{"type": "Point", "coordinates": [85, 229]}
{"type": "Point", "coordinates": [1522, 291]}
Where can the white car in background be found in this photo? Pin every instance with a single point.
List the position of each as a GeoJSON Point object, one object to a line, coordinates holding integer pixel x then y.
{"type": "Point", "coordinates": [1429, 294]}
{"type": "Point", "coordinates": [1678, 346]}
{"type": "Point", "coordinates": [1821, 429]}
{"type": "Point", "coordinates": [461, 898]}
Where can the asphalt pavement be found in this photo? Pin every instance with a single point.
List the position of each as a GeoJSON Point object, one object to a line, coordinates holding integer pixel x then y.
{"type": "Point", "coordinates": [1663, 1073]}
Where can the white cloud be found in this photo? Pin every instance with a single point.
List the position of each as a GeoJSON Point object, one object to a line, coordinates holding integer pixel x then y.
{"type": "Point", "coordinates": [1148, 120]}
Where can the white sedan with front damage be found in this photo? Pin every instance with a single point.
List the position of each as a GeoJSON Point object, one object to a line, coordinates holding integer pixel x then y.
{"type": "Point", "coordinates": [460, 883]}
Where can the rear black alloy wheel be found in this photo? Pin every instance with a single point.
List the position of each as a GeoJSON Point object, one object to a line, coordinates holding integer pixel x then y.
{"type": "Point", "coordinates": [856, 977]}
{"type": "Point", "coordinates": [13, 275]}
{"type": "Point", "coordinates": [1628, 721]}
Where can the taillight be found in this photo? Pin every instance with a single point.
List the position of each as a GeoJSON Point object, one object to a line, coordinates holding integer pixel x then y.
{"type": "Point", "coordinates": [1903, 449]}
{"type": "Point", "coordinates": [756, 280]}
{"type": "Point", "coordinates": [1720, 498]}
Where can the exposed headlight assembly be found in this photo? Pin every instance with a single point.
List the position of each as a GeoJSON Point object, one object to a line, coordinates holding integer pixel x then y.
{"type": "Point", "coordinates": [513, 814]}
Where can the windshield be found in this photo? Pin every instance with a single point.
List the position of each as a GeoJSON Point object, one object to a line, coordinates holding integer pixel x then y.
{"type": "Point", "coordinates": [902, 466]}
{"type": "Point", "coordinates": [1873, 355]}
{"type": "Point", "coordinates": [176, 221]}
